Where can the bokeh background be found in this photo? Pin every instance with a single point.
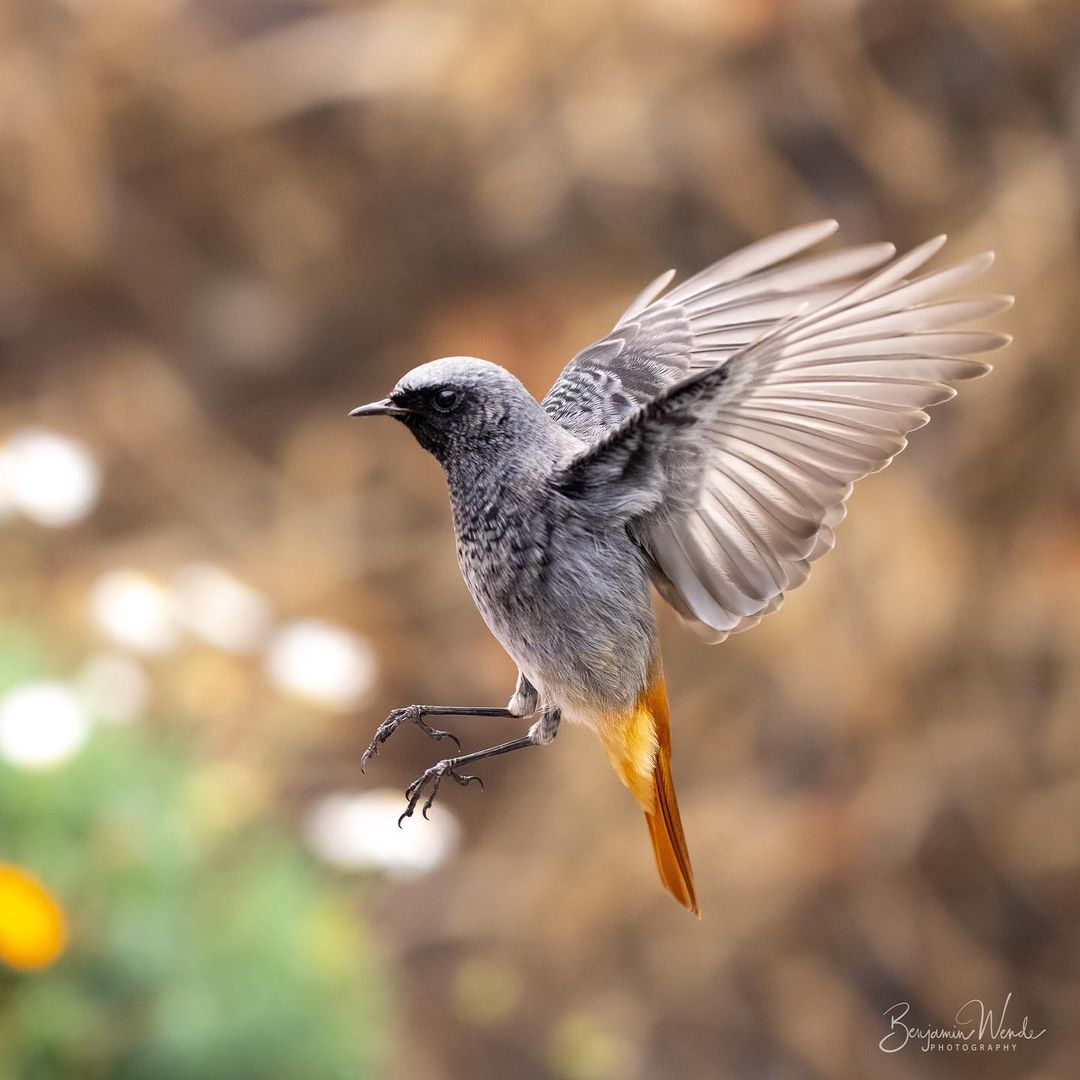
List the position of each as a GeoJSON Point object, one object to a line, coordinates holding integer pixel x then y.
{"type": "Point", "coordinates": [223, 223]}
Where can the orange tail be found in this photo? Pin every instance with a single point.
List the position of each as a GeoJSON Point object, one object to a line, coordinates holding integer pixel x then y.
{"type": "Point", "coordinates": [669, 844]}
{"type": "Point", "coordinates": [640, 751]}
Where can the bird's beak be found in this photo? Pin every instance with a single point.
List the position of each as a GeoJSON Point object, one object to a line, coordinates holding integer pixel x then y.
{"type": "Point", "coordinates": [380, 408]}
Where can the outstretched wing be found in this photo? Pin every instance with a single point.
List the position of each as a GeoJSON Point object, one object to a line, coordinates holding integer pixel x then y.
{"type": "Point", "coordinates": [734, 478]}
{"type": "Point", "coordinates": [699, 324]}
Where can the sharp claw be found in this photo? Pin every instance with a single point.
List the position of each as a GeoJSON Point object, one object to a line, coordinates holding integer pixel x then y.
{"type": "Point", "coordinates": [408, 813]}
{"type": "Point", "coordinates": [371, 751]}
{"type": "Point", "coordinates": [431, 798]}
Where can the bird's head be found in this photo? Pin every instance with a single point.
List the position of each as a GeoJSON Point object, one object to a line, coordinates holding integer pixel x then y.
{"type": "Point", "coordinates": [457, 405]}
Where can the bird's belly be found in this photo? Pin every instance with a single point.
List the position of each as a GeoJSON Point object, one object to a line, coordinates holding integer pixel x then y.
{"type": "Point", "coordinates": [581, 629]}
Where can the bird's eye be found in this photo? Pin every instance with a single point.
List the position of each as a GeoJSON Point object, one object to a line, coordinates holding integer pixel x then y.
{"type": "Point", "coordinates": [446, 400]}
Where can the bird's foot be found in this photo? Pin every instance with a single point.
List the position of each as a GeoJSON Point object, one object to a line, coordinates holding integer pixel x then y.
{"type": "Point", "coordinates": [412, 714]}
{"type": "Point", "coordinates": [434, 777]}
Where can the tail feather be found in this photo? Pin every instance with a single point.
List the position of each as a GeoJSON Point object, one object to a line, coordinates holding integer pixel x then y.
{"type": "Point", "coordinates": [640, 750]}
{"type": "Point", "coordinates": [669, 843]}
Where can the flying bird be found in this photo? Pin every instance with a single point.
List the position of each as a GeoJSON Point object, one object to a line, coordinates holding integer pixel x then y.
{"type": "Point", "coordinates": [705, 448]}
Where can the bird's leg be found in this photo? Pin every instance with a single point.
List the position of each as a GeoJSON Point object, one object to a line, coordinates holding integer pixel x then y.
{"type": "Point", "coordinates": [523, 703]}
{"type": "Point", "coordinates": [540, 734]}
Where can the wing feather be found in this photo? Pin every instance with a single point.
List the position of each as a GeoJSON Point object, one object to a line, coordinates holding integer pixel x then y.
{"type": "Point", "coordinates": [700, 323]}
{"type": "Point", "coordinates": [737, 450]}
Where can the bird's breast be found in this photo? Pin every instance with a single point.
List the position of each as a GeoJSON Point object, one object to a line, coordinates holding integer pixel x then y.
{"type": "Point", "coordinates": [571, 606]}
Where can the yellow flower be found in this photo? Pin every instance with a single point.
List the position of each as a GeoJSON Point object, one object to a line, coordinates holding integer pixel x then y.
{"type": "Point", "coordinates": [33, 930]}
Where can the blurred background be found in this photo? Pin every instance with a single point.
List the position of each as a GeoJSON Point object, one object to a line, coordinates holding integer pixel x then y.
{"type": "Point", "coordinates": [223, 223]}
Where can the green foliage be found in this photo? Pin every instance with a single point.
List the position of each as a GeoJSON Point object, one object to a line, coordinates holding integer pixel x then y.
{"type": "Point", "coordinates": [202, 945]}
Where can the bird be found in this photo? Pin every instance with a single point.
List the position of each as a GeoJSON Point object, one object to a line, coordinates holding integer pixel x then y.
{"type": "Point", "coordinates": [702, 451]}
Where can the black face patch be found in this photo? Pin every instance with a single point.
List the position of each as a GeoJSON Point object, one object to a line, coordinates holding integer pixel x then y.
{"type": "Point", "coordinates": [431, 435]}
{"type": "Point", "coordinates": [438, 414]}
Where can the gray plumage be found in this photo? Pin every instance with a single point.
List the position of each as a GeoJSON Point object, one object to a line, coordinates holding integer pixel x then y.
{"type": "Point", "coordinates": [558, 581]}
{"type": "Point", "coordinates": [706, 446]}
